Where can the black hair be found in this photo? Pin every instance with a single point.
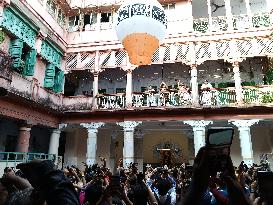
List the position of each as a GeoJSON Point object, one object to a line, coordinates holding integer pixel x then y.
{"type": "Point", "coordinates": [93, 193]}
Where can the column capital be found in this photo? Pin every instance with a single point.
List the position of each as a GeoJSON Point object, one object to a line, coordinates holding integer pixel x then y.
{"type": "Point", "coordinates": [198, 124]}
{"type": "Point", "coordinates": [243, 124]}
{"type": "Point", "coordinates": [93, 126]}
{"type": "Point", "coordinates": [56, 131]}
{"type": "Point", "coordinates": [129, 126]}
{"type": "Point", "coordinates": [62, 126]}
{"type": "Point", "coordinates": [25, 128]}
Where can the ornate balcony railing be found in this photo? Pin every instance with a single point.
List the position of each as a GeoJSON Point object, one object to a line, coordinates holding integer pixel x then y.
{"type": "Point", "coordinates": [111, 101]}
{"type": "Point", "coordinates": [210, 98]}
{"type": "Point", "coordinates": [202, 25]}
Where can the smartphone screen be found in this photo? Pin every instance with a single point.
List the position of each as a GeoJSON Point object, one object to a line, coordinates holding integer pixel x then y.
{"type": "Point", "coordinates": [220, 136]}
{"type": "Point", "coordinates": [218, 142]}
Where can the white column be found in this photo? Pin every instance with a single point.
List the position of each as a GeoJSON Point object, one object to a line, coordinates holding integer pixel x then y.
{"type": "Point", "coordinates": [269, 5]}
{"type": "Point", "coordinates": [128, 147]}
{"type": "Point", "coordinates": [194, 85]}
{"type": "Point", "coordinates": [248, 9]}
{"type": "Point", "coordinates": [129, 88]}
{"type": "Point", "coordinates": [245, 139]}
{"type": "Point", "coordinates": [237, 80]}
{"type": "Point", "coordinates": [199, 132]}
{"type": "Point", "coordinates": [55, 138]}
{"type": "Point", "coordinates": [95, 88]}
{"type": "Point", "coordinates": [209, 14]}
{"type": "Point", "coordinates": [54, 142]}
{"type": "Point", "coordinates": [92, 131]}
{"type": "Point", "coordinates": [229, 14]}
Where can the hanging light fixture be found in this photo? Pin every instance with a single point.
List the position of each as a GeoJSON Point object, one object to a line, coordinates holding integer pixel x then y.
{"type": "Point", "coordinates": [141, 27]}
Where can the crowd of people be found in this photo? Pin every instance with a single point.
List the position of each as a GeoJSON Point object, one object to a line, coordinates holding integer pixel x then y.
{"type": "Point", "coordinates": [39, 183]}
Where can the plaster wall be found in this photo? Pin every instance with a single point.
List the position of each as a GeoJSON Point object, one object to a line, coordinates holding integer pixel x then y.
{"type": "Point", "coordinates": [39, 72]}
{"type": "Point", "coordinates": [155, 138]}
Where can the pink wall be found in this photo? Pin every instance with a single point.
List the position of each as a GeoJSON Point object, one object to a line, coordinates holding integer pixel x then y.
{"type": "Point", "coordinates": [39, 72]}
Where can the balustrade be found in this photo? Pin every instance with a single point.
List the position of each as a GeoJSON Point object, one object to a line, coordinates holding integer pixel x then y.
{"type": "Point", "coordinates": [208, 98]}
{"type": "Point", "coordinates": [201, 25]}
{"type": "Point", "coordinates": [111, 101]}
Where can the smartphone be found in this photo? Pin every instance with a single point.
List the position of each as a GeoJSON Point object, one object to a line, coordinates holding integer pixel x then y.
{"type": "Point", "coordinates": [265, 185]}
{"type": "Point", "coordinates": [218, 142]}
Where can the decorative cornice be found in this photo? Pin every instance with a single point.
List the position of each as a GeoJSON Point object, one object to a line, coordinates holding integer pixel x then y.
{"type": "Point", "coordinates": [243, 124]}
{"type": "Point", "coordinates": [129, 125]}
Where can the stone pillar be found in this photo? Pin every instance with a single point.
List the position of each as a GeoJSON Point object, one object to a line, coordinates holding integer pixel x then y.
{"type": "Point", "coordinates": [129, 89]}
{"type": "Point", "coordinates": [55, 140]}
{"type": "Point", "coordinates": [92, 131]}
{"type": "Point", "coordinates": [128, 147]}
{"type": "Point", "coordinates": [95, 88]}
{"type": "Point", "coordinates": [245, 139]}
{"type": "Point", "coordinates": [229, 14]}
{"type": "Point", "coordinates": [23, 138]}
{"type": "Point", "coordinates": [139, 149]}
{"type": "Point", "coordinates": [199, 132]}
{"type": "Point", "coordinates": [194, 85]}
{"type": "Point", "coordinates": [238, 86]}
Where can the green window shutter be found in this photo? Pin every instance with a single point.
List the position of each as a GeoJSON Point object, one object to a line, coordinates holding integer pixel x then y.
{"type": "Point", "coordinates": [16, 48]}
{"type": "Point", "coordinates": [49, 76]}
{"type": "Point", "coordinates": [59, 82]}
{"type": "Point", "coordinates": [30, 63]}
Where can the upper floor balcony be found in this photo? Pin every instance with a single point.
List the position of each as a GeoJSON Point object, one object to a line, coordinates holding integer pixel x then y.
{"type": "Point", "coordinates": [199, 20]}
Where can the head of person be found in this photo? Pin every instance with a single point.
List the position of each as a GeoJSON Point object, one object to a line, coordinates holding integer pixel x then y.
{"type": "Point", "coordinates": [163, 186]}
{"type": "Point", "coordinates": [93, 193]}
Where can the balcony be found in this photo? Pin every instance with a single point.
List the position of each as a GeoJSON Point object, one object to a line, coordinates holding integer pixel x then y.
{"type": "Point", "coordinates": [104, 34]}
{"type": "Point", "coordinates": [215, 98]}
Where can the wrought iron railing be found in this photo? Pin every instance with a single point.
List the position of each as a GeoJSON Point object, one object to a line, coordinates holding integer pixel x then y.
{"type": "Point", "coordinates": [218, 24]}
{"type": "Point", "coordinates": [110, 101]}
{"type": "Point", "coordinates": [207, 98]}
{"type": "Point", "coordinates": [11, 159]}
